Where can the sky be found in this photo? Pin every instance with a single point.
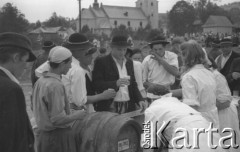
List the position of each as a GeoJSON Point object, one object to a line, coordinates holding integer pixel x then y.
{"type": "Point", "coordinates": [42, 9]}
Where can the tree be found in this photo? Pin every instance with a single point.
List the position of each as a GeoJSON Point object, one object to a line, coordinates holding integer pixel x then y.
{"type": "Point", "coordinates": [234, 14]}
{"type": "Point", "coordinates": [56, 20]}
{"type": "Point", "coordinates": [85, 29]}
{"type": "Point", "coordinates": [120, 30]}
{"type": "Point", "coordinates": [181, 18]}
{"type": "Point", "coordinates": [153, 33]}
{"type": "Point", "coordinates": [12, 20]}
{"type": "Point", "coordinates": [206, 8]}
{"type": "Point", "coordinates": [38, 24]}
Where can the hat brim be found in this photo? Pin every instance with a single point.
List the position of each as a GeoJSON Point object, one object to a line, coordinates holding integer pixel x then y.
{"type": "Point", "coordinates": [120, 44]}
{"type": "Point", "coordinates": [226, 44]}
{"type": "Point", "coordinates": [80, 46]}
{"type": "Point", "coordinates": [215, 45]}
{"type": "Point", "coordinates": [159, 42]}
{"type": "Point", "coordinates": [32, 57]}
{"type": "Point", "coordinates": [91, 51]}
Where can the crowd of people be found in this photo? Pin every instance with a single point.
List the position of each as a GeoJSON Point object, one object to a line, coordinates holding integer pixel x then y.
{"type": "Point", "coordinates": [184, 85]}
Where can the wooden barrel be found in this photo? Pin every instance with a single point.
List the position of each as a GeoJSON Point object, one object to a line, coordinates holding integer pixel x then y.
{"type": "Point", "coordinates": [109, 132]}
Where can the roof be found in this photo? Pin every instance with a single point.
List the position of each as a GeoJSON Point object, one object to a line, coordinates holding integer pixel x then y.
{"type": "Point", "coordinates": [87, 14]}
{"type": "Point", "coordinates": [104, 24]}
{"type": "Point", "coordinates": [217, 21]}
{"type": "Point", "coordinates": [122, 12]}
{"type": "Point", "coordinates": [98, 12]}
{"type": "Point", "coordinates": [50, 30]}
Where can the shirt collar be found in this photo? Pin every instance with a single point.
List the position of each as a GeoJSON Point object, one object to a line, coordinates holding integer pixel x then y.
{"type": "Point", "coordinates": [9, 74]}
{"type": "Point", "coordinates": [124, 59]}
{"type": "Point", "coordinates": [53, 75]}
{"type": "Point", "coordinates": [198, 66]}
{"type": "Point", "coordinates": [75, 61]}
{"type": "Point", "coordinates": [227, 56]}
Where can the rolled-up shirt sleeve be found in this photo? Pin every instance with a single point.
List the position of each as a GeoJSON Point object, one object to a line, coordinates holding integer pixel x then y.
{"type": "Point", "coordinates": [189, 90]}
{"type": "Point", "coordinates": [77, 88]}
{"type": "Point", "coordinates": [56, 103]}
{"type": "Point", "coordinates": [173, 60]}
{"type": "Point", "coordinates": [145, 69]}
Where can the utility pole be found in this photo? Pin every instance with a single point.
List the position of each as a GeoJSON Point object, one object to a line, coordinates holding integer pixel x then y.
{"type": "Point", "coordinates": [79, 17]}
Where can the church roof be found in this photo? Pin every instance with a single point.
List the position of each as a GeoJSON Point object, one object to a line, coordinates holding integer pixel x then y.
{"type": "Point", "coordinates": [87, 14]}
{"type": "Point", "coordinates": [98, 12]}
{"type": "Point", "coordinates": [122, 12]}
{"type": "Point", "coordinates": [218, 21]}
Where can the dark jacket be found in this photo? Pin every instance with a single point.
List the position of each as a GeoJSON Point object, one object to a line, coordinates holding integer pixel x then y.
{"type": "Point", "coordinates": [15, 129]}
{"type": "Point", "coordinates": [105, 76]}
{"type": "Point", "coordinates": [226, 69]}
{"type": "Point", "coordinates": [235, 67]}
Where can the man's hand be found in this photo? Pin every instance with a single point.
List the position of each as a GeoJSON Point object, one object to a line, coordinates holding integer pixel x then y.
{"type": "Point", "coordinates": [123, 82]}
{"type": "Point", "coordinates": [143, 105]}
{"type": "Point", "coordinates": [108, 94]}
{"type": "Point", "coordinates": [79, 114]}
{"type": "Point", "coordinates": [222, 106]}
{"type": "Point", "coordinates": [157, 57]}
{"type": "Point", "coordinates": [236, 75]}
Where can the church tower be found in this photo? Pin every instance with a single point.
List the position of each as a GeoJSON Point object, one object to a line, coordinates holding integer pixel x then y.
{"type": "Point", "coordinates": [150, 8]}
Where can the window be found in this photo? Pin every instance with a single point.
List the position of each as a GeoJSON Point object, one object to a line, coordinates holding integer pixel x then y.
{"type": "Point", "coordinates": [140, 24]}
{"type": "Point", "coordinates": [141, 4]}
{"type": "Point", "coordinates": [152, 14]}
{"type": "Point", "coordinates": [115, 23]}
{"type": "Point", "coordinates": [129, 24]}
{"type": "Point", "coordinates": [151, 3]}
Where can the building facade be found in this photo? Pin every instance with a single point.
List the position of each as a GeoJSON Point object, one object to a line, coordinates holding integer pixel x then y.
{"type": "Point", "coordinates": [103, 18]}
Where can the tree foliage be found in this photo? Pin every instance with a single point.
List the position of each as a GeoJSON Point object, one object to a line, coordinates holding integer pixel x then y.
{"type": "Point", "coordinates": [234, 15]}
{"type": "Point", "coordinates": [12, 20]}
{"type": "Point", "coordinates": [56, 20]}
{"type": "Point", "coordinates": [120, 30]}
{"type": "Point", "coordinates": [181, 18]}
{"type": "Point", "coordinates": [205, 8]}
{"type": "Point", "coordinates": [85, 29]}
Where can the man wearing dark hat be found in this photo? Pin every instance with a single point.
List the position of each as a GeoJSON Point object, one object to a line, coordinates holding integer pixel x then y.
{"type": "Point", "coordinates": [225, 60]}
{"type": "Point", "coordinates": [116, 72]}
{"type": "Point", "coordinates": [47, 46]}
{"type": "Point", "coordinates": [160, 68]}
{"type": "Point", "coordinates": [77, 81]}
{"type": "Point", "coordinates": [15, 129]}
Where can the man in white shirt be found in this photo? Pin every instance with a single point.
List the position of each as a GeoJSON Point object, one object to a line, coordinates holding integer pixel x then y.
{"type": "Point", "coordinates": [160, 68]}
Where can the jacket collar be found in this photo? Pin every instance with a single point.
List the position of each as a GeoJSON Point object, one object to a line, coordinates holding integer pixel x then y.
{"type": "Point", "coordinates": [9, 75]}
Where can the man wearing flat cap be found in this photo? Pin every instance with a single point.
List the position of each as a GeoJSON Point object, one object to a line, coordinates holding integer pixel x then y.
{"type": "Point", "coordinates": [15, 129]}
{"type": "Point", "coordinates": [51, 107]}
{"type": "Point", "coordinates": [47, 46]}
{"type": "Point", "coordinates": [115, 72]}
{"type": "Point", "coordinates": [77, 81]}
{"type": "Point", "coordinates": [225, 61]}
{"type": "Point", "coordinates": [159, 69]}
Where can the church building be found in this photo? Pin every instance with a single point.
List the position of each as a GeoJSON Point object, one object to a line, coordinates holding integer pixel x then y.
{"type": "Point", "coordinates": [103, 18]}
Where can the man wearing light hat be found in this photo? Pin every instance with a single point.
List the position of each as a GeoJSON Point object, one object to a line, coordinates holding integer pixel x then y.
{"type": "Point", "coordinates": [15, 129]}
{"type": "Point", "coordinates": [225, 60]}
{"type": "Point", "coordinates": [51, 106]}
{"type": "Point", "coordinates": [77, 89]}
